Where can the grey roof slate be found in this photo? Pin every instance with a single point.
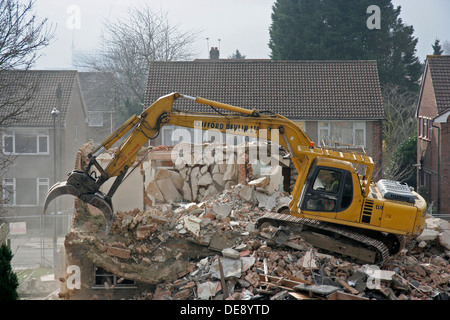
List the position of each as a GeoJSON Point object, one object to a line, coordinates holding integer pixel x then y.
{"type": "Point", "coordinates": [440, 77]}
{"type": "Point", "coordinates": [39, 89]}
{"type": "Point", "coordinates": [295, 89]}
{"type": "Point", "coordinates": [99, 90]}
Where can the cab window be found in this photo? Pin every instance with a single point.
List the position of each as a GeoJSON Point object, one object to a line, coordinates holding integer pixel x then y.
{"type": "Point", "coordinates": [330, 190]}
{"type": "Point", "coordinates": [327, 180]}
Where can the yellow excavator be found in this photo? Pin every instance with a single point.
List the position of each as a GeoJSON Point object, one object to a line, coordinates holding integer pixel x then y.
{"type": "Point", "coordinates": [335, 205]}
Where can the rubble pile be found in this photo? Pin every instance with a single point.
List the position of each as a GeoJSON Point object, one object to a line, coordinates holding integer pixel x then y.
{"type": "Point", "coordinates": [212, 250]}
{"type": "Point", "coordinates": [199, 239]}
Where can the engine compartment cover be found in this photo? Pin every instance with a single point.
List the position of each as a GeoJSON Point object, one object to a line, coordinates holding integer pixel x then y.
{"type": "Point", "coordinates": [394, 190]}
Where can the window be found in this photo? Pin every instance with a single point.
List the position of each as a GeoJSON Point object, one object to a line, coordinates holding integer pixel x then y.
{"type": "Point", "coordinates": [425, 126]}
{"type": "Point", "coordinates": [43, 184]}
{"type": "Point", "coordinates": [324, 190]}
{"type": "Point", "coordinates": [359, 134]}
{"type": "Point", "coordinates": [301, 124]}
{"type": "Point", "coordinates": [26, 142]}
{"type": "Point", "coordinates": [347, 194]}
{"type": "Point", "coordinates": [95, 118]}
{"type": "Point", "coordinates": [346, 132]}
{"type": "Point", "coordinates": [425, 129]}
{"type": "Point", "coordinates": [324, 131]}
{"type": "Point", "coordinates": [331, 190]}
{"type": "Point", "coordinates": [106, 280]}
{"type": "Point", "coordinates": [327, 180]}
{"type": "Point", "coordinates": [9, 194]}
{"type": "Point", "coordinates": [25, 192]}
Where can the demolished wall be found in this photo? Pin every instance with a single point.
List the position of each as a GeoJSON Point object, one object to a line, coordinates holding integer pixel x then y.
{"type": "Point", "coordinates": [194, 172]}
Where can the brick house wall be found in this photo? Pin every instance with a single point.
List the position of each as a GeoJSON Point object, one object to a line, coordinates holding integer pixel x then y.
{"type": "Point", "coordinates": [445, 167]}
{"type": "Point", "coordinates": [433, 143]}
{"type": "Point", "coordinates": [426, 147]}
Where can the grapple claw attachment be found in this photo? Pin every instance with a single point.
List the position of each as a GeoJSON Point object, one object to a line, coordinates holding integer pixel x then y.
{"type": "Point", "coordinates": [59, 189]}
{"type": "Point", "coordinates": [82, 186]}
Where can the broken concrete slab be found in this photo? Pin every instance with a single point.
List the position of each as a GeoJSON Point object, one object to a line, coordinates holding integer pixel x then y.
{"type": "Point", "coordinates": [187, 192]}
{"type": "Point", "coordinates": [205, 179]}
{"type": "Point", "coordinates": [192, 224]}
{"type": "Point", "coordinates": [231, 267]}
{"type": "Point", "coordinates": [168, 190]}
{"type": "Point", "coordinates": [246, 193]}
{"type": "Point", "coordinates": [375, 272]}
{"type": "Point", "coordinates": [208, 289]}
{"type": "Point", "coordinates": [444, 239]}
{"type": "Point", "coordinates": [317, 289]}
{"type": "Point", "coordinates": [428, 235]}
{"type": "Point", "coordinates": [260, 182]}
{"type": "Point", "coordinates": [231, 253]}
{"type": "Point", "coordinates": [222, 210]}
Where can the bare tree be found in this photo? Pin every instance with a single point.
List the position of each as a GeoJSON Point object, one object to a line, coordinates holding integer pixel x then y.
{"type": "Point", "coordinates": [398, 129]}
{"type": "Point", "coordinates": [22, 36]}
{"type": "Point", "coordinates": [131, 44]}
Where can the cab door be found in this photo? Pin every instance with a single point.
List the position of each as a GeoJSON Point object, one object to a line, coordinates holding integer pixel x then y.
{"type": "Point", "coordinates": [330, 190]}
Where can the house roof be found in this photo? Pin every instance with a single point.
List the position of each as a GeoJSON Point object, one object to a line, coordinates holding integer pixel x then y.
{"type": "Point", "coordinates": [99, 90]}
{"type": "Point", "coordinates": [440, 77]}
{"type": "Point", "coordinates": [294, 89]}
{"type": "Point", "coordinates": [36, 90]}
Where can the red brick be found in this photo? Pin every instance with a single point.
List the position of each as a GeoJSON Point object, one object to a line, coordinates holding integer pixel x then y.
{"type": "Point", "coordinates": [119, 252]}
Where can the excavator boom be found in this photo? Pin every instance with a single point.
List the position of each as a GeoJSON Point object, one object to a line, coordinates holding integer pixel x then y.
{"type": "Point", "coordinates": [356, 203]}
{"type": "Point", "coordinates": [147, 126]}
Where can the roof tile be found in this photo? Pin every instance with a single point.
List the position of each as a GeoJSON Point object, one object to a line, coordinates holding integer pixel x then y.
{"type": "Point", "coordinates": [36, 90]}
{"type": "Point", "coordinates": [294, 89]}
{"type": "Point", "coordinates": [440, 75]}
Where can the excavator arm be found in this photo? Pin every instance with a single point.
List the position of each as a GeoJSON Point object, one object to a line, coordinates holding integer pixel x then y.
{"type": "Point", "coordinates": [147, 126]}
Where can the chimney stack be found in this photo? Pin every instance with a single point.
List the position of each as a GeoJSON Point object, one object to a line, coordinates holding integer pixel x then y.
{"type": "Point", "coordinates": [214, 53]}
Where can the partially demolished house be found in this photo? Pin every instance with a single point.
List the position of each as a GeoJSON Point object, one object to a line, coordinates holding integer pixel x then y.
{"type": "Point", "coordinates": [186, 227]}
{"type": "Point", "coordinates": [165, 182]}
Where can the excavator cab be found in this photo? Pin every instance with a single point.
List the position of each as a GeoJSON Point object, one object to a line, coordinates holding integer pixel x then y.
{"type": "Point", "coordinates": [331, 187]}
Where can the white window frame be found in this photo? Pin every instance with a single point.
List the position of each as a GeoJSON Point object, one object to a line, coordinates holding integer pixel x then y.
{"type": "Point", "coordinates": [356, 125]}
{"type": "Point", "coordinates": [420, 127]}
{"type": "Point", "coordinates": [325, 126]}
{"type": "Point", "coordinates": [12, 200]}
{"type": "Point", "coordinates": [41, 182]}
{"type": "Point", "coordinates": [47, 137]}
{"type": "Point", "coordinates": [5, 136]}
{"type": "Point", "coordinates": [11, 182]}
{"type": "Point", "coordinates": [38, 136]}
{"type": "Point", "coordinates": [359, 125]}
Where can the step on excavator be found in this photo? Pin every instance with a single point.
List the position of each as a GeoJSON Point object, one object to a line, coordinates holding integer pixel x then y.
{"type": "Point", "coordinates": [334, 204]}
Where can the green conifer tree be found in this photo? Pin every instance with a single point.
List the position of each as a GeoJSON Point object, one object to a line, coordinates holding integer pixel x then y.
{"type": "Point", "coordinates": [8, 279]}
{"type": "Point", "coordinates": [340, 30]}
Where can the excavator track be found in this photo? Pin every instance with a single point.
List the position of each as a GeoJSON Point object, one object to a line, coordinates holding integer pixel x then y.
{"type": "Point", "coordinates": [338, 239]}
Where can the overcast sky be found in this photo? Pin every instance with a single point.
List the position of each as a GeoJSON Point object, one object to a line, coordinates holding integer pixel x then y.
{"type": "Point", "coordinates": [239, 24]}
